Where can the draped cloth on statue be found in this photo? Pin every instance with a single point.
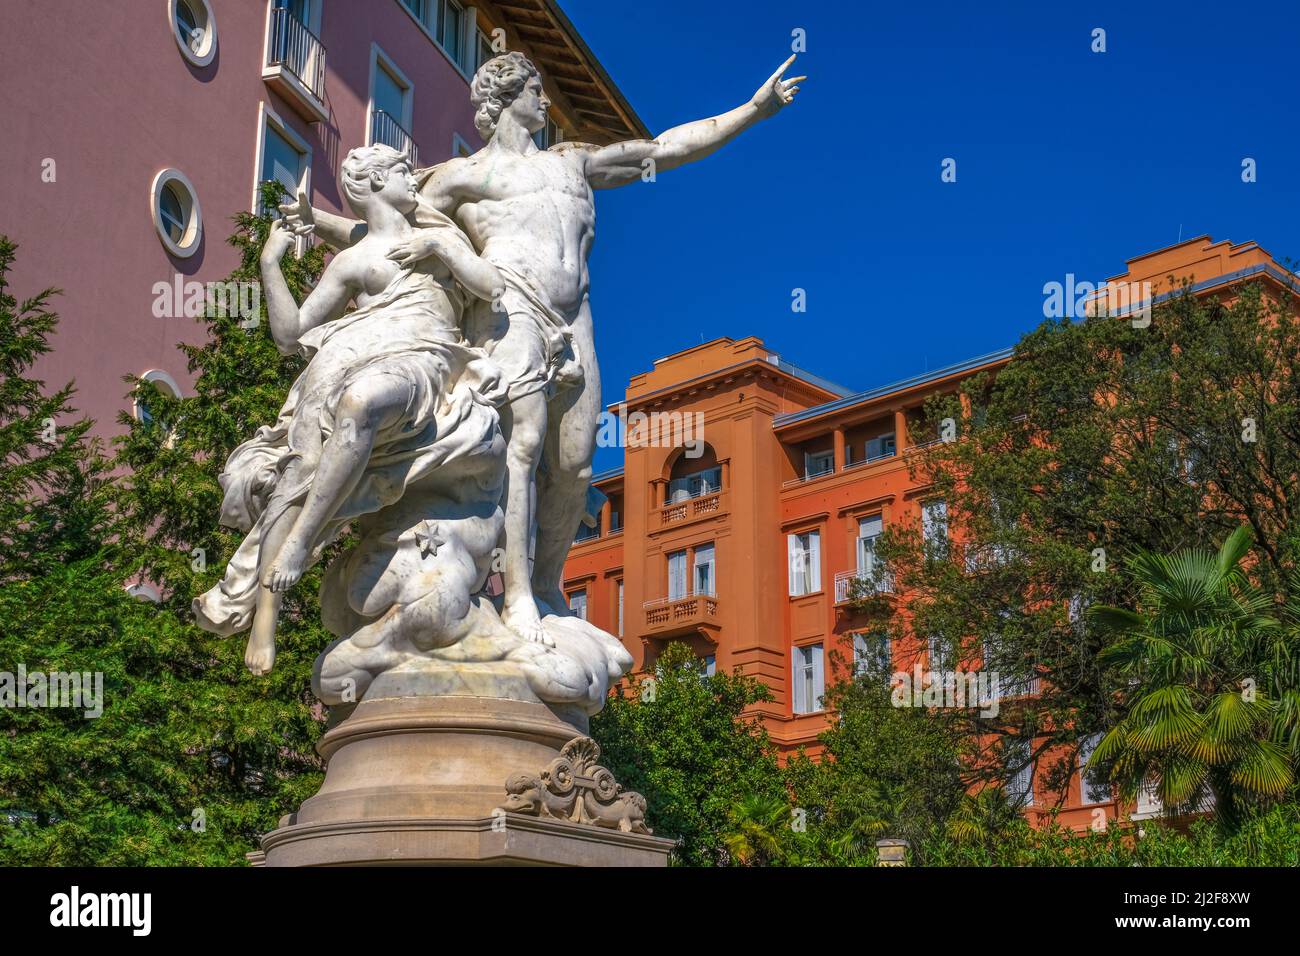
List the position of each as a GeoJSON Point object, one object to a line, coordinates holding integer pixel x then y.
{"type": "Point", "coordinates": [410, 332]}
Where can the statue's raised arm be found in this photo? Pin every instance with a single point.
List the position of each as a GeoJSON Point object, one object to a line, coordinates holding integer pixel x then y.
{"type": "Point", "coordinates": [626, 162]}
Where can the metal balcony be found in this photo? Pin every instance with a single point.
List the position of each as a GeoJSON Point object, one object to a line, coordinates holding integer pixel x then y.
{"type": "Point", "coordinates": [384, 129]}
{"type": "Point", "coordinates": [867, 585]}
{"type": "Point", "coordinates": [295, 64]}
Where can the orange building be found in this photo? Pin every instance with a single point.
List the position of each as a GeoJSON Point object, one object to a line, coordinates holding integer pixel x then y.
{"type": "Point", "coordinates": [750, 494]}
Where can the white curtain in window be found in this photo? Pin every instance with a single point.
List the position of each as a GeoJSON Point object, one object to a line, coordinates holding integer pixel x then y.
{"type": "Point", "coordinates": [677, 575]}
{"type": "Point", "coordinates": [934, 521]}
{"type": "Point", "coordinates": [868, 531]}
{"type": "Point", "coordinates": [794, 558]}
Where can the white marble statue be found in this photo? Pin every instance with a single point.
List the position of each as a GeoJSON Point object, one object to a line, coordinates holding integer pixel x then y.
{"type": "Point", "coordinates": [530, 214]}
{"type": "Point", "coordinates": [448, 419]}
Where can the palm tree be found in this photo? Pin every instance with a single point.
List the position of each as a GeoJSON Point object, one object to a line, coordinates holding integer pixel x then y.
{"type": "Point", "coordinates": [981, 817]}
{"type": "Point", "coordinates": [756, 823]}
{"type": "Point", "coordinates": [1211, 702]}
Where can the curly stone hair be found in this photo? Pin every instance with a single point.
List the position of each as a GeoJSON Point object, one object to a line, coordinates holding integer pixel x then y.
{"type": "Point", "coordinates": [354, 173]}
{"type": "Point", "coordinates": [495, 86]}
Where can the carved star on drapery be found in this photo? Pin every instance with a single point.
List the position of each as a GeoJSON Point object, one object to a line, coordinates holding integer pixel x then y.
{"type": "Point", "coordinates": [427, 537]}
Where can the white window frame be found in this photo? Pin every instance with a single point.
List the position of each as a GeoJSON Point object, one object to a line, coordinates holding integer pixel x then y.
{"type": "Point", "coordinates": [207, 51]}
{"type": "Point", "coordinates": [870, 650]}
{"type": "Point", "coordinates": [1086, 747]}
{"type": "Point", "coordinates": [577, 601]}
{"type": "Point", "coordinates": [267, 117]}
{"type": "Point", "coordinates": [865, 544]}
{"type": "Point", "coordinates": [620, 607]}
{"type": "Point", "coordinates": [935, 546]}
{"type": "Point", "coordinates": [379, 60]}
{"type": "Point", "coordinates": [804, 559]}
{"type": "Point", "coordinates": [683, 591]}
{"type": "Point", "coordinates": [881, 456]}
{"type": "Point", "coordinates": [1021, 781]}
{"type": "Point", "coordinates": [808, 679]}
{"type": "Point", "coordinates": [811, 456]}
{"type": "Point", "coordinates": [192, 237]}
{"type": "Point", "coordinates": [469, 35]}
{"type": "Point", "coordinates": [711, 564]}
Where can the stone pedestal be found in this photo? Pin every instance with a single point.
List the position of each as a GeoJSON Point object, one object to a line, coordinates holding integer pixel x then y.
{"type": "Point", "coordinates": [421, 780]}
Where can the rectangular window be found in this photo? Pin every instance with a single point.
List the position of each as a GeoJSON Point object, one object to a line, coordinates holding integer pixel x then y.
{"type": "Point", "coordinates": [934, 527]}
{"type": "Point", "coordinates": [941, 653]}
{"type": "Point", "coordinates": [869, 530]}
{"type": "Point", "coordinates": [389, 94]}
{"type": "Point", "coordinates": [1020, 772]}
{"type": "Point", "coordinates": [620, 607]}
{"type": "Point", "coordinates": [452, 36]}
{"type": "Point", "coordinates": [881, 447]}
{"type": "Point", "coordinates": [695, 485]}
{"type": "Point", "coordinates": [872, 656]}
{"type": "Point", "coordinates": [705, 580]}
{"type": "Point", "coordinates": [710, 665]}
{"type": "Point", "coordinates": [390, 106]}
{"type": "Point", "coordinates": [1093, 788]}
{"type": "Point", "coordinates": [818, 463]}
{"type": "Point", "coordinates": [677, 575]}
{"type": "Point", "coordinates": [283, 160]}
{"type": "Point", "coordinates": [578, 604]}
{"type": "Point", "coordinates": [804, 551]}
{"type": "Point", "coordinates": [809, 681]}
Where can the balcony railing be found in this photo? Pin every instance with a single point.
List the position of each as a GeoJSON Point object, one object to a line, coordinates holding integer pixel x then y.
{"type": "Point", "coordinates": [384, 129]}
{"type": "Point", "coordinates": [697, 507]}
{"type": "Point", "coordinates": [868, 585]}
{"type": "Point", "coordinates": [293, 49]}
{"type": "Point", "coordinates": [671, 613]}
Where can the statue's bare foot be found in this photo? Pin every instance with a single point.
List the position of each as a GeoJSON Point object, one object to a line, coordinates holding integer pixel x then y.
{"type": "Point", "coordinates": [522, 618]}
{"type": "Point", "coordinates": [259, 655]}
{"type": "Point", "coordinates": [288, 567]}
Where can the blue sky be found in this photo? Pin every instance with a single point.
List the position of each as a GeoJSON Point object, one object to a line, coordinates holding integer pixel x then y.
{"type": "Point", "coordinates": [1067, 161]}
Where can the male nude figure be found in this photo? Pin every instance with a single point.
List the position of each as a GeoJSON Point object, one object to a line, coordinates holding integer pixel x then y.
{"type": "Point", "coordinates": [531, 213]}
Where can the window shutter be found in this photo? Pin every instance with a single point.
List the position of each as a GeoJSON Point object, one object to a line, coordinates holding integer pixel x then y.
{"type": "Point", "coordinates": [814, 561]}
{"type": "Point", "coordinates": [793, 563]}
{"type": "Point", "coordinates": [796, 681]}
{"type": "Point", "coordinates": [819, 678]}
{"type": "Point", "coordinates": [677, 575]}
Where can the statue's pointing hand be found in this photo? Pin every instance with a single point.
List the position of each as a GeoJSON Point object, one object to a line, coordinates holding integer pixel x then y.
{"type": "Point", "coordinates": [777, 92]}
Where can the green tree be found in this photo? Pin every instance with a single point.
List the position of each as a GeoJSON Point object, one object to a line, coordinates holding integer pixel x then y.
{"type": "Point", "coordinates": [1097, 439]}
{"type": "Point", "coordinates": [756, 828]}
{"type": "Point", "coordinates": [885, 771]}
{"type": "Point", "coordinates": [682, 740]}
{"type": "Point", "coordinates": [193, 757]}
{"type": "Point", "coordinates": [1211, 692]}
{"type": "Point", "coordinates": [51, 476]}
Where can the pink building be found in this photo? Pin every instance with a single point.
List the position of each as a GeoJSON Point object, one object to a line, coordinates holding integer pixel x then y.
{"type": "Point", "coordinates": [188, 104]}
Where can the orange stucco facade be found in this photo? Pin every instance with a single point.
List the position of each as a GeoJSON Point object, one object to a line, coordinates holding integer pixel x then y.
{"type": "Point", "coordinates": [785, 453]}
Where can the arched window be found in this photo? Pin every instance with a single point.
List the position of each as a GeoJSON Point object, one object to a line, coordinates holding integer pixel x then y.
{"type": "Point", "coordinates": [693, 477]}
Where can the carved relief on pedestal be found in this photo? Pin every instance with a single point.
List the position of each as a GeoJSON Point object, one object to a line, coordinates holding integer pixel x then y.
{"type": "Point", "coordinates": [577, 789]}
